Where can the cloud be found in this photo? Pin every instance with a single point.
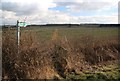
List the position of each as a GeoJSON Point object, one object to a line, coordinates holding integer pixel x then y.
{"type": "Point", "coordinates": [39, 12]}
{"type": "Point", "coordinates": [20, 9]}
{"type": "Point", "coordinates": [113, 1]}
{"type": "Point", "coordinates": [84, 6]}
{"type": "Point", "coordinates": [25, 7]}
{"type": "Point", "coordinates": [9, 17]}
{"type": "Point", "coordinates": [61, 17]}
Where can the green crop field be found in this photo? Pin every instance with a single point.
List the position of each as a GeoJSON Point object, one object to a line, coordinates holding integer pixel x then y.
{"type": "Point", "coordinates": [46, 33]}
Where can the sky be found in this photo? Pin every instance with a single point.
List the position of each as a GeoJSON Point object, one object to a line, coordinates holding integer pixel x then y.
{"type": "Point", "coordinates": [59, 11]}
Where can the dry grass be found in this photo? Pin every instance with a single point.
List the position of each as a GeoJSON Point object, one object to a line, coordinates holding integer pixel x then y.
{"type": "Point", "coordinates": [51, 59]}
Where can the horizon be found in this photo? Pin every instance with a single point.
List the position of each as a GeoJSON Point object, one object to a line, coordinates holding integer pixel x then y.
{"type": "Point", "coordinates": [61, 24]}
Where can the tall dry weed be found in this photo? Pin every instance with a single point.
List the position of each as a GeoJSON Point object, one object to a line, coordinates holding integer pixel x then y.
{"type": "Point", "coordinates": [46, 60]}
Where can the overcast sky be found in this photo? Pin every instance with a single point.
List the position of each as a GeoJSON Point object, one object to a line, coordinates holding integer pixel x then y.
{"type": "Point", "coordinates": [59, 11]}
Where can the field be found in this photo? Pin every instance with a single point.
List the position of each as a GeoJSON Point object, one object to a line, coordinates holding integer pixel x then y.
{"type": "Point", "coordinates": [84, 53]}
{"type": "Point", "coordinates": [77, 32]}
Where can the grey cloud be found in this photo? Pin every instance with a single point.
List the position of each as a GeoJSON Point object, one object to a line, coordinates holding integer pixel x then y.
{"type": "Point", "coordinates": [19, 9]}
